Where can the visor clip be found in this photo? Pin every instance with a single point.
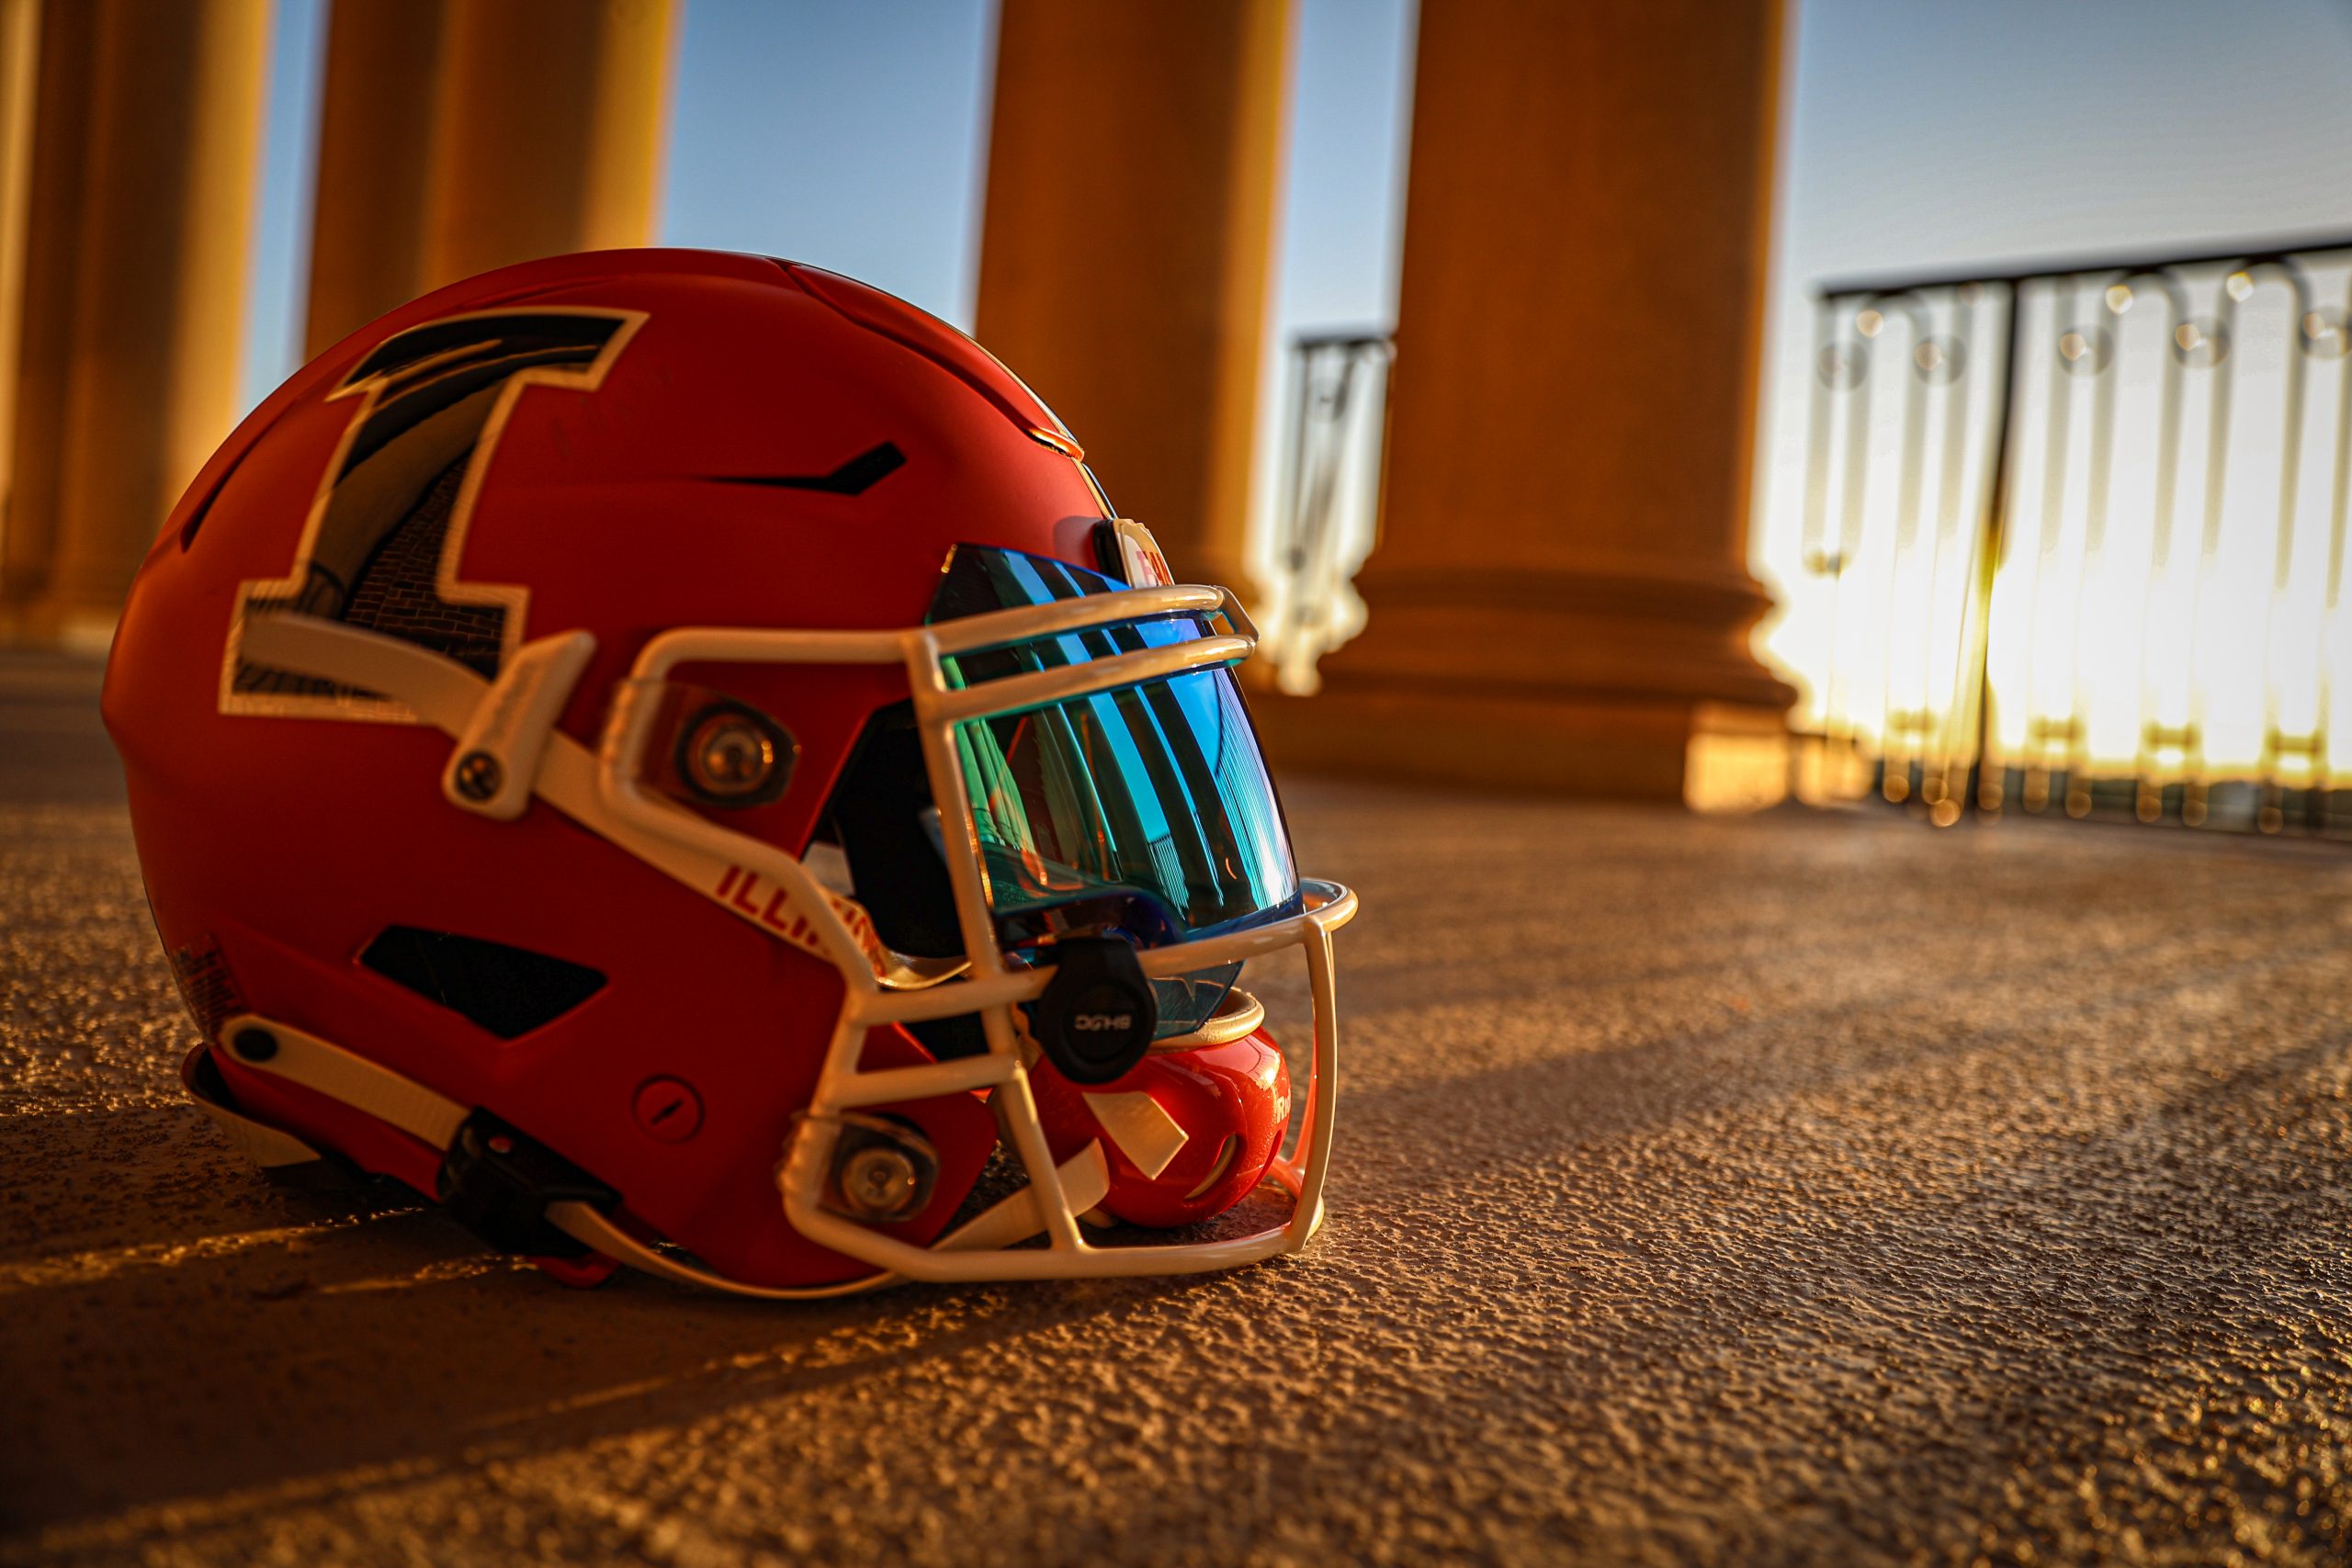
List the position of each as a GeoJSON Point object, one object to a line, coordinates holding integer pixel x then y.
{"type": "Point", "coordinates": [1098, 1015]}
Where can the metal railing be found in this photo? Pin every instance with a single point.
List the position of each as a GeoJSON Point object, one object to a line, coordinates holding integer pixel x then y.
{"type": "Point", "coordinates": [1328, 511]}
{"type": "Point", "coordinates": [2077, 539]}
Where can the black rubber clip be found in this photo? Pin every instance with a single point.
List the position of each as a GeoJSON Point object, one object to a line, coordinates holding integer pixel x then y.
{"type": "Point", "coordinates": [498, 1182]}
{"type": "Point", "coordinates": [1098, 1015]}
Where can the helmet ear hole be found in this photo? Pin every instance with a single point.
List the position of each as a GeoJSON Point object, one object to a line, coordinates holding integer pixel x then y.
{"type": "Point", "coordinates": [878, 813]}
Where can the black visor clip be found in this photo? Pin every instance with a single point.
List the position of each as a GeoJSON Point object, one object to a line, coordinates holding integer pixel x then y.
{"type": "Point", "coordinates": [1098, 1015]}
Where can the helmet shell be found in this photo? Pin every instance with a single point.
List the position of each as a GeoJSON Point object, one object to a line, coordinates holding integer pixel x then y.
{"type": "Point", "coordinates": [277, 846]}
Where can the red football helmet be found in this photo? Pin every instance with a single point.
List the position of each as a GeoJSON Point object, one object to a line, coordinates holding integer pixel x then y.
{"type": "Point", "coordinates": [633, 735]}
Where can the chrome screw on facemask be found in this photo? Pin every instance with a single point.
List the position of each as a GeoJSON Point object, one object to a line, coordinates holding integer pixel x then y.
{"type": "Point", "coordinates": [878, 1181]}
{"type": "Point", "coordinates": [728, 753]}
{"type": "Point", "coordinates": [729, 756]}
{"type": "Point", "coordinates": [882, 1170]}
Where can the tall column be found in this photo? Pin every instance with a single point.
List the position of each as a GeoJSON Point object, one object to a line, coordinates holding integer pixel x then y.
{"type": "Point", "coordinates": [1126, 249]}
{"type": "Point", "coordinates": [368, 217]}
{"type": "Point", "coordinates": [19, 72]}
{"type": "Point", "coordinates": [1560, 598]}
{"type": "Point", "coordinates": [457, 137]}
{"type": "Point", "coordinates": [66, 42]}
{"type": "Point", "coordinates": [152, 301]}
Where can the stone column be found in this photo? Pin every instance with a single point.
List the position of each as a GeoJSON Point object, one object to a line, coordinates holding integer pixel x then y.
{"type": "Point", "coordinates": [375, 116]}
{"type": "Point", "coordinates": [66, 44]}
{"type": "Point", "coordinates": [19, 72]}
{"type": "Point", "coordinates": [1560, 598]}
{"type": "Point", "coordinates": [549, 135]}
{"type": "Point", "coordinates": [149, 299]}
{"type": "Point", "coordinates": [457, 137]}
{"type": "Point", "coordinates": [1127, 246]}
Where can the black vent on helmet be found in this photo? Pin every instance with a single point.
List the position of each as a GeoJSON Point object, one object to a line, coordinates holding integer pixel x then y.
{"type": "Point", "coordinates": [854, 477]}
{"type": "Point", "coordinates": [508, 990]}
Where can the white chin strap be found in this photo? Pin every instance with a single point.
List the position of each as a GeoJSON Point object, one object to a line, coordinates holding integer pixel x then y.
{"type": "Point", "coordinates": [432, 1119]}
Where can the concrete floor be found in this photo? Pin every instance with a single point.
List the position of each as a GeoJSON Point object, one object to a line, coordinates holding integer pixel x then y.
{"type": "Point", "coordinates": [1791, 1190]}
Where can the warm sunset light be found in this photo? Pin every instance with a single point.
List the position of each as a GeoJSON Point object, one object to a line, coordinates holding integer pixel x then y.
{"type": "Point", "coordinates": [1193, 784]}
{"type": "Point", "coordinates": [2163, 474]}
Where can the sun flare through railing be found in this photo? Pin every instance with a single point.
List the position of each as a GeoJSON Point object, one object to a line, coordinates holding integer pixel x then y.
{"type": "Point", "coordinates": [1326, 512]}
{"type": "Point", "coordinates": [2073, 541]}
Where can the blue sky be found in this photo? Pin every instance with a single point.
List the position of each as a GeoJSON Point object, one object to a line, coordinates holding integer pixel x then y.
{"type": "Point", "coordinates": [853, 133]}
{"type": "Point", "coordinates": [281, 239]}
{"type": "Point", "coordinates": [847, 134]}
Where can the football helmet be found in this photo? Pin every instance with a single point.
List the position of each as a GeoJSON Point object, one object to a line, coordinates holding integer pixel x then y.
{"type": "Point", "coordinates": [672, 755]}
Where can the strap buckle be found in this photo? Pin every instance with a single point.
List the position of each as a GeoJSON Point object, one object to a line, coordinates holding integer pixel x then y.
{"type": "Point", "coordinates": [498, 1183]}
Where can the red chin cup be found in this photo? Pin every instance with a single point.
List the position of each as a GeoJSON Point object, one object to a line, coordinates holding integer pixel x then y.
{"type": "Point", "coordinates": [582, 1273]}
{"type": "Point", "coordinates": [1231, 1101]}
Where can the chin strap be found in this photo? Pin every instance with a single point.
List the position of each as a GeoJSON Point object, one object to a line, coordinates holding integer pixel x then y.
{"type": "Point", "coordinates": [265, 1046]}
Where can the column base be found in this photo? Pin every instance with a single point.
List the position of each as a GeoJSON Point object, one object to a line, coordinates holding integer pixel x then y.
{"type": "Point", "coordinates": [1712, 756]}
{"type": "Point", "coordinates": [46, 624]}
{"type": "Point", "coordinates": [1624, 678]}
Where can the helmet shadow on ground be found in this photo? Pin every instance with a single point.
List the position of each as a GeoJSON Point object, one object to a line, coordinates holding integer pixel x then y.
{"type": "Point", "coordinates": [393, 1339]}
{"type": "Point", "coordinates": [1935, 1349]}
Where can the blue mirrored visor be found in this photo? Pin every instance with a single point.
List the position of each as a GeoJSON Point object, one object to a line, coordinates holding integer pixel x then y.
{"type": "Point", "coordinates": [1146, 809]}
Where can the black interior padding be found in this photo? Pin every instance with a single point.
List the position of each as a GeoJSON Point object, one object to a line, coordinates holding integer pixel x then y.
{"type": "Point", "coordinates": [876, 814]}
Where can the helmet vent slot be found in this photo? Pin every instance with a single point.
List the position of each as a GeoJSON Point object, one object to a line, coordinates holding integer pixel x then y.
{"type": "Point", "coordinates": [508, 990]}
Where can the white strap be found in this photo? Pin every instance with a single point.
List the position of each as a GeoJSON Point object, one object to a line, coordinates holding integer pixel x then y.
{"type": "Point", "coordinates": [1141, 1128]}
{"type": "Point", "coordinates": [1085, 1175]}
{"type": "Point", "coordinates": [267, 1046]}
{"type": "Point", "coordinates": [1086, 1180]}
{"type": "Point", "coordinates": [257, 1140]}
{"type": "Point", "coordinates": [306, 1059]}
{"type": "Point", "coordinates": [590, 1225]}
{"type": "Point", "coordinates": [439, 691]}
{"type": "Point", "coordinates": [496, 761]}
{"type": "Point", "coordinates": [449, 697]}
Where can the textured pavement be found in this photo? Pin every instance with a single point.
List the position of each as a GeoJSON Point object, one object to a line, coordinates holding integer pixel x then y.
{"type": "Point", "coordinates": [1802, 1188]}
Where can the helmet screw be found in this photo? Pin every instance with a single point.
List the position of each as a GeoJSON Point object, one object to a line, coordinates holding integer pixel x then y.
{"type": "Point", "coordinates": [667, 1110]}
{"type": "Point", "coordinates": [478, 775]}
{"type": "Point", "coordinates": [254, 1044]}
{"type": "Point", "coordinates": [878, 1181]}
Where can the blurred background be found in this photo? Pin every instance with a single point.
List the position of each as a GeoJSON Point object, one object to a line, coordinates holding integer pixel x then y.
{"type": "Point", "coordinates": [1943, 405]}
